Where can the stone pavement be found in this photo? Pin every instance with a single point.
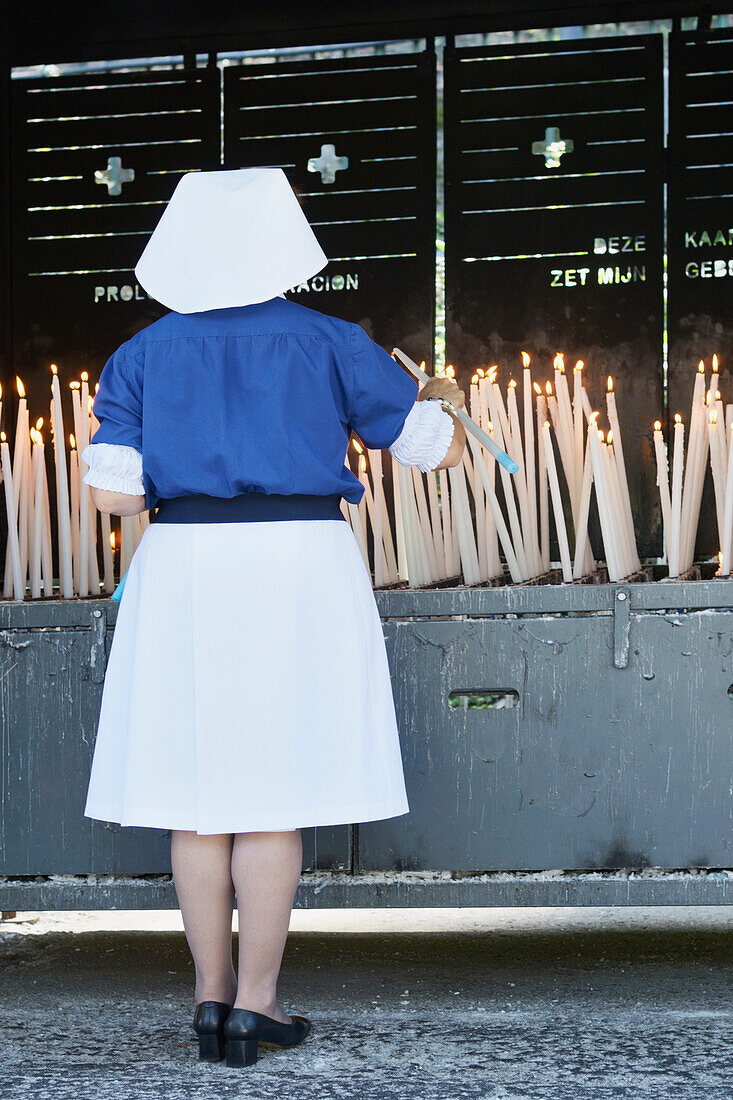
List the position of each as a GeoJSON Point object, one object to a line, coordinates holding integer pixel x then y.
{"type": "Point", "coordinates": [553, 1004]}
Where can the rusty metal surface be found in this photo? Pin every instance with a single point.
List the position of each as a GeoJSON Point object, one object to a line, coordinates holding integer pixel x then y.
{"type": "Point", "coordinates": [328, 890]}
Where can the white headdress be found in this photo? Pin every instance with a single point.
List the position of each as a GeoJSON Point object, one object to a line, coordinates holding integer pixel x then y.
{"type": "Point", "coordinates": [229, 238]}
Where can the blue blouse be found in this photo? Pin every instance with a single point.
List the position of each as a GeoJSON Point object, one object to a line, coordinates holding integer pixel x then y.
{"type": "Point", "coordinates": [258, 398]}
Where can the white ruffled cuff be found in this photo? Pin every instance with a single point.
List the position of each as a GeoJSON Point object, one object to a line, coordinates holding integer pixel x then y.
{"type": "Point", "coordinates": [114, 467]}
{"type": "Point", "coordinates": [425, 437]}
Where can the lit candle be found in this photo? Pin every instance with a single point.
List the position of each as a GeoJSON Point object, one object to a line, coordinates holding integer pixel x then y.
{"type": "Point", "coordinates": [399, 524]}
{"type": "Point", "coordinates": [663, 482]}
{"type": "Point", "coordinates": [10, 508]}
{"type": "Point", "coordinates": [464, 527]}
{"type": "Point", "coordinates": [362, 503]}
{"type": "Point", "coordinates": [62, 491]}
{"type": "Point", "coordinates": [21, 479]}
{"type": "Point", "coordinates": [529, 465]}
{"type": "Point", "coordinates": [381, 520]}
{"type": "Point", "coordinates": [478, 495]}
{"type": "Point", "coordinates": [452, 561]}
{"type": "Point", "coordinates": [46, 550]}
{"type": "Point", "coordinates": [435, 523]}
{"type": "Point", "coordinates": [717, 464]}
{"type": "Point", "coordinates": [578, 432]}
{"type": "Point", "coordinates": [501, 527]}
{"type": "Point", "coordinates": [566, 418]}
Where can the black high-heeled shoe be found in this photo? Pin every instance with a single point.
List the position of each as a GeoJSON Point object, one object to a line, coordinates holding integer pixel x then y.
{"type": "Point", "coordinates": [245, 1030]}
{"type": "Point", "coordinates": [208, 1023]}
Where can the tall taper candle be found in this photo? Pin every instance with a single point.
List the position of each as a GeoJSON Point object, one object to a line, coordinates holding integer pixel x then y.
{"type": "Point", "coordinates": [66, 579]}
{"type": "Point", "coordinates": [18, 583]}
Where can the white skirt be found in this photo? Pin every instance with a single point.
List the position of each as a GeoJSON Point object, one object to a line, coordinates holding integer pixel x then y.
{"type": "Point", "coordinates": [247, 686]}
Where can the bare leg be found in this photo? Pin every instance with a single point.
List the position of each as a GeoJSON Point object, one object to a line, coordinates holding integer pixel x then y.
{"type": "Point", "coordinates": [266, 869]}
{"type": "Point", "coordinates": [203, 881]}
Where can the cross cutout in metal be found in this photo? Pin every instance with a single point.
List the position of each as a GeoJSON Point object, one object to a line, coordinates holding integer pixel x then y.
{"type": "Point", "coordinates": [552, 148]}
{"type": "Point", "coordinates": [114, 175]}
{"type": "Point", "coordinates": [328, 164]}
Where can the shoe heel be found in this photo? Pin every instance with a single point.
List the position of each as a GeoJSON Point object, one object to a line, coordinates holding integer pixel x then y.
{"type": "Point", "coordinates": [211, 1048]}
{"type": "Point", "coordinates": [241, 1052]}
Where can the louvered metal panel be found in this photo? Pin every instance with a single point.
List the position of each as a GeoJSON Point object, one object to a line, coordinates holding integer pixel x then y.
{"type": "Point", "coordinates": [376, 219]}
{"type": "Point", "coordinates": [76, 241]}
{"type": "Point", "coordinates": [554, 222]}
{"type": "Point", "coordinates": [700, 225]}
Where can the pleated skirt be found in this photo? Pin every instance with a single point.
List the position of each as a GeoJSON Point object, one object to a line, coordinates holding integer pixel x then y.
{"type": "Point", "coordinates": [247, 686]}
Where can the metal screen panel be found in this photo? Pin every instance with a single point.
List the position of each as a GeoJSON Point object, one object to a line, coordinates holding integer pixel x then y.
{"type": "Point", "coordinates": [554, 223]}
{"type": "Point", "coordinates": [700, 225]}
{"type": "Point", "coordinates": [376, 219]}
{"type": "Point", "coordinates": [77, 240]}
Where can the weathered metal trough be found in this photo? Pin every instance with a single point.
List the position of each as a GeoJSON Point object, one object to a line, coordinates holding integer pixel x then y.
{"type": "Point", "coordinates": [563, 745]}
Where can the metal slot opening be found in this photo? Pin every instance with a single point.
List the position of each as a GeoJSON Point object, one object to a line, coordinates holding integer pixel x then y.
{"type": "Point", "coordinates": [483, 699]}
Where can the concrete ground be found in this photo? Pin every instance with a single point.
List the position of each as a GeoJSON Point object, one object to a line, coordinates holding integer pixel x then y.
{"type": "Point", "coordinates": [431, 1004]}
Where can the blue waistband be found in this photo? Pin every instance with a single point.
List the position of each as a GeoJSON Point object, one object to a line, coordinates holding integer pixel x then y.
{"type": "Point", "coordinates": [247, 507]}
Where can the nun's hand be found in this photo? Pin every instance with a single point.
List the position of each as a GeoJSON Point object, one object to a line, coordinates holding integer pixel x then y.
{"type": "Point", "coordinates": [444, 388]}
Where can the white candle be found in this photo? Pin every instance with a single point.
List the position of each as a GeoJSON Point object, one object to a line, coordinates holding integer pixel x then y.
{"type": "Point", "coordinates": [581, 531]}
{"type": "Point", "coordinates": [46, 548]}
{"type": "Point", "coordinates": [451, 551]}
{"type": "Point", "coordinates": [627, 514]}
{"type": "Point", "coordinates": [464, 527]}
{"type": "Point", "coordinates": [381, 566]}
{"type": "Point", "coordinates": [520, 482]}
{"type": "Point", "coordinates": [663, 483]}
{"type": "Point", "coordinates": [600, 480]}
{"type": "Point", "coordinates": [501, 527]}
{"type": "Point", "coordinates": [10, 508]}
{"type": "Point", "coordinates": [566, 417]}
{"type": "Point", "coordinates": [435, 522]}
{"type": "Point", "coordinates": [543, 484]}
{"type": "Point", "coordinates": [676, 513]}
{"type": "Point", "coordinates": [399, 525]}
{"type": "Point", "coordinates": [38, 516]}
{"type": "Point", "coordinates": [497, 417]}
{"type": "Point", "coordinates": [426, 530]}
{"type": "Point", "coordinates": [529, 464]}
{"type": "Point", "coordinates": [578, 432]}
{"type": "Point", "coordinates": [562, 535]}
{"type": "Point", "coordinates": [84, 490]}
{"type": "Point", "coordinates": [727, 547]}
{"type": "Point", "coordinates": [478, 495]}
{"type": "Point", "coordinates": [74, 481]}
{"type": "Point", "coordinates": [62, 491]}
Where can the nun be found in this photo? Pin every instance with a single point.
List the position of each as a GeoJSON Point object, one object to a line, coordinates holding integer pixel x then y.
{"type": "Point", "coordinates": [247, 692]}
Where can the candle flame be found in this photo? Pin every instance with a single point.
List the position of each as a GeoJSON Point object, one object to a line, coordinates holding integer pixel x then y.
{"type": "Point", "coordinates": [480, 372]}
{"type": "Point", "coordinates": [548, 389]}
{"type": "Point", "coordinates": [96, 388]}
{"type": "Point", "coordinates": [474, 380]}
{"type": "Point", "coordinates": [112, 540]}
{"type": "Point", "coordinates": [579, 365]}
{"type": "Point", "coordinates": [593, 419]}
{"type": "Point", "coordinates": [84, 376]}
{"type": "Point", "coordinates": [72, 441]}
{"type": "Point", "coordinates": [512, 384]}
{"type": "Point", "coordinates": [34, 433]}
{"type": "Point", "coordinates": [709, 397]}
{"type": "Point", "coordinates": [450, 370]}
{"type": "Point", "coordinates": [39, 423]}
{"type": "Point", "coordinates": [610, 437]}
{"type": "Point", "coordinates": [90, 403]}
{"type": "Point", "coordinates": [422, 366]}
{"type": "Point", "coordinates": [54, 368]}
{"type": "Point", "coordinates": [609, 384]}
{"type": "Point", "coordinates": [559, 362]}
{"type": "Point", "coordinates": [717, 395]}
{"type": "Point", "coordinates": [362, 464]}
{"type": "Point", "coordinates": [537, 388]}
{"type": "Point", "coordinates": [357, 445]}
{"type": "Point", "coordinates": [525, 360]}
{"type": "Point", "coordinates": [490, 425]}
{"type": "Point", "coordinates": [701, 367]}
{"type": "Point", "coordinates": [713, 417]}
{"type": "Point", "coordinates": [657, 425]}
{"type": "Point", "coordinates": [74, 385]}
{"type": "Point", "coordinates": [600, 436]}
{"type": "Point", "coordinates": [677, 418]}
{"type": "Point", "coordinates": [493, 371]}
{"type": "Point", "coordinates": [715, 363]}
{"type": "Point", "coordinates": [3, 437]}
{"type": "Point", "coordinates": [546, 425]}
{"type": "Point", "coordinates": [21, 387]}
